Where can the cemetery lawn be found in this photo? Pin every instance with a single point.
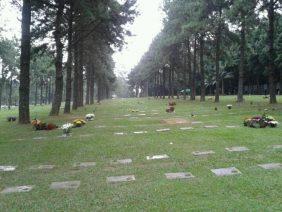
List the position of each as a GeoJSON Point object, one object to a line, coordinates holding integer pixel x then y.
{"type": "Point", "coordinates": [256, 189]}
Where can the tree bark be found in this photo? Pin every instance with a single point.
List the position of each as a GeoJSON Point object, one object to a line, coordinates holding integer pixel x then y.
{"type": "Point", "coordinates": [88, 78]}
{"type": "Point", "coordinates": [92, 84]}
{"type": "Point", "coordinates": [193, 83]}
{"type": "Point", "coordinates": [203, 87]}
{"type": "Point", "coordinates": [217, 58]}
{"type": "Point", "coordinates": [56, 104]}
{"type": "Point", "coordinates": [67, 108]}
{"type": "Point", "coordinates": [41, 91]}
{"type": "Point", "coordinates": [24, 116]}
{"type": "Point", "coordinates": [271, 66]}
{"type": "Point", "coordinates": [189, 63]}
{"type": "Point", "coordinates": [10, 94]}
{"type": "Point", "coordinates": [240, 97]}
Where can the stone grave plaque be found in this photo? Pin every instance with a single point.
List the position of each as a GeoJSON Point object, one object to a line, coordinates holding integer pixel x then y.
{"type": "Point", "coordinates": [42, 167]}
{"type": "Point", "coordinates": [123, 161]}
{"type": "Point", "coordinates": [269, 166]}
{"type": "Point", "coordinates": [65, 185]}
{"type": "Point", "coordinates": [17, 189]}
{"type": "Point", "coordinates": [157, 157]}
{"type": "Point", "coordinates": [186, 128]}
{"type": "Point", "coordinates": [226, 171]}
{"type": "Point", "coordinates": [203, 153]}
{"type": "Point", "coordinates": [84, 164]}
{"type": "Point", "coordinates": [277, 146]}
{"type": "Point", "coordinates": [118, 179]}
{"type": "Point", "coordinates": [7, 168]}
{"type": "Point", "coordinates": [179, 175]}
{"type": "Point", "coordinates": [211, 126]}
{"type": "Point", "coordinates": [163, 130]}
{"type": "Point", "coordinates": [237, 149]}
{"type": "Point", "coordinates": [120, 133]}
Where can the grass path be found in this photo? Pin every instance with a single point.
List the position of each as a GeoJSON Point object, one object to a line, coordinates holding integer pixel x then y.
{"type": "Point", "coordinates": [255, 189]}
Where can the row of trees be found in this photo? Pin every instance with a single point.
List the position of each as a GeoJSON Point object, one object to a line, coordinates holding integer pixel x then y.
{"type": "Point", "coordinates": [84, 32]}
{"type": "Point", "coordinates": [216, 46]}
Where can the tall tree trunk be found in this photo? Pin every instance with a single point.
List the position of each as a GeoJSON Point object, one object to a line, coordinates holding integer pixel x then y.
{"type": "Point", "coordinates": [271, 66]}
{"type": "Point", "coordinates": [88, 78]}
{"type": "Point", "coordinates": [203, 88]}
{"type": "Point", "coordinates": [41, 91]}
{"type": "Point", "coordinates": [217, 58]}
{"type": "Point", "coordinates": [100, 91]}
{"type": "Point", "coordinates": [240, 97]}
{"type": "Point", "coordinates": [76, 73]}
{"type": "Point", "coordinates": [56, 104]}
{"type": "Point", "coordinates": [46, 93]}
{"type": "Point", "coordinates": [80, 75]}
{"type": "Point", "coordinates": [67, 108]}
{"type": "Point", "coordinates": [164, 71]}
{"type": "Point", "coordinates": [92, 82]}
{"type": "Point", "coordinates": [1, 85]}
{"type": "Point", "coordinates": [193, 83]}
{"type": "Point", "coordinates": [10, 93]}
{"type": "Point", "coordinates": [189, 63]}
{"type": "Point", "coordinates": [172, 83]}
{"type": "Point", "coordinates": [24, 116]}
{"type": "Point", "coordinates": [50, 90]}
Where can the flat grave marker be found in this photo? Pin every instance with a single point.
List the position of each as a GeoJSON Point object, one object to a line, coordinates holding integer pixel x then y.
{"type": "Point", "coordinates": [211, 126]}
{"type": "Point", "coordinates": [7, 168]}
{"type": "Point", "coordinates": [196, 122]}
{"type": "Point", "coordinates": [17, 189]}
{"type": "Point", "coordinates": [163, 130]}
{"type": "Point", "coordinates": [269, 166]}
{"type": "Point", "coordinates": [119, 179]}
{"type": "Point", "coordinates": [158, 157]}
{"type": "Point", "coordinates": [84, 164]}
{"type": "Point", "coordinates": [179, 175]}
{"type": "Point", "coordinates": [65, 185]}
{"type": "Point", "coordinates": [203, 153]}
{"type": "Point", "coordinates": [237, 149]}
{"type": "Point", "coordinates": [39, 138]}
{"type": "Point", "coordinates": [186, 128]}
{"type": "Point", "coordinates": [100, 126]}
{"type": "Point", "coordinates": [119, 133]}
{"type": "Point", "coordinates": [226, 171]}
{"type": "Point", "coordinates": [140, 132]}
{"type": "Point", "coordinates": [231, 126]}
{"type": "Point", "coordinates": [279, 146]}
{"type": "Point", "coordinates": [42, 167]}
{"type": "Point", "coordinates": [123, 161]}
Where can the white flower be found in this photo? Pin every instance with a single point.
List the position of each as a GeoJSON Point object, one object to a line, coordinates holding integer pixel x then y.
{"type": "Point", "coordinates": [90, 117]}
{"type": "Point", "coordinates": [67, 126]}
{"type": "Point", "coordinates": [273, 122]}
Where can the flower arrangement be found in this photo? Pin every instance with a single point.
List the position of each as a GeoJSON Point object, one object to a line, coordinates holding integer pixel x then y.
{"type": "Point", "coordinates": [90, 117]}
{"type": "Point", "coordinates": [78, 123]}
{"type": "Point", "coordinates": [229, 106]}
{"type": "Point", "coordinates": [261, 122]}
{"type": "Point", "coordinates": [39, 125]}
{"type": "Point", "coordinates": [67, 128]}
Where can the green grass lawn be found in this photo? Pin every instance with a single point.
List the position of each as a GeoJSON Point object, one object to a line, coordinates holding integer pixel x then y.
{"type": "Point", "coordinates": [255, 189]}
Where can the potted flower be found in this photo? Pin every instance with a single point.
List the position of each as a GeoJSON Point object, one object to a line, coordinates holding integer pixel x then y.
{"type": "Point", "coordinates": [90, 117]}
{"type": "Point", "coordinates": [78, 123]}
{"type": "Point", "coordinates": [229, 106]}
{"type": "Point", "coordinates": [67, 129]}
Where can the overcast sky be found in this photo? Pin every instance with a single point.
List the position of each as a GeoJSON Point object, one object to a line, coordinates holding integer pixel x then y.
{"type": "Point", "coordinates": [146, 26]}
